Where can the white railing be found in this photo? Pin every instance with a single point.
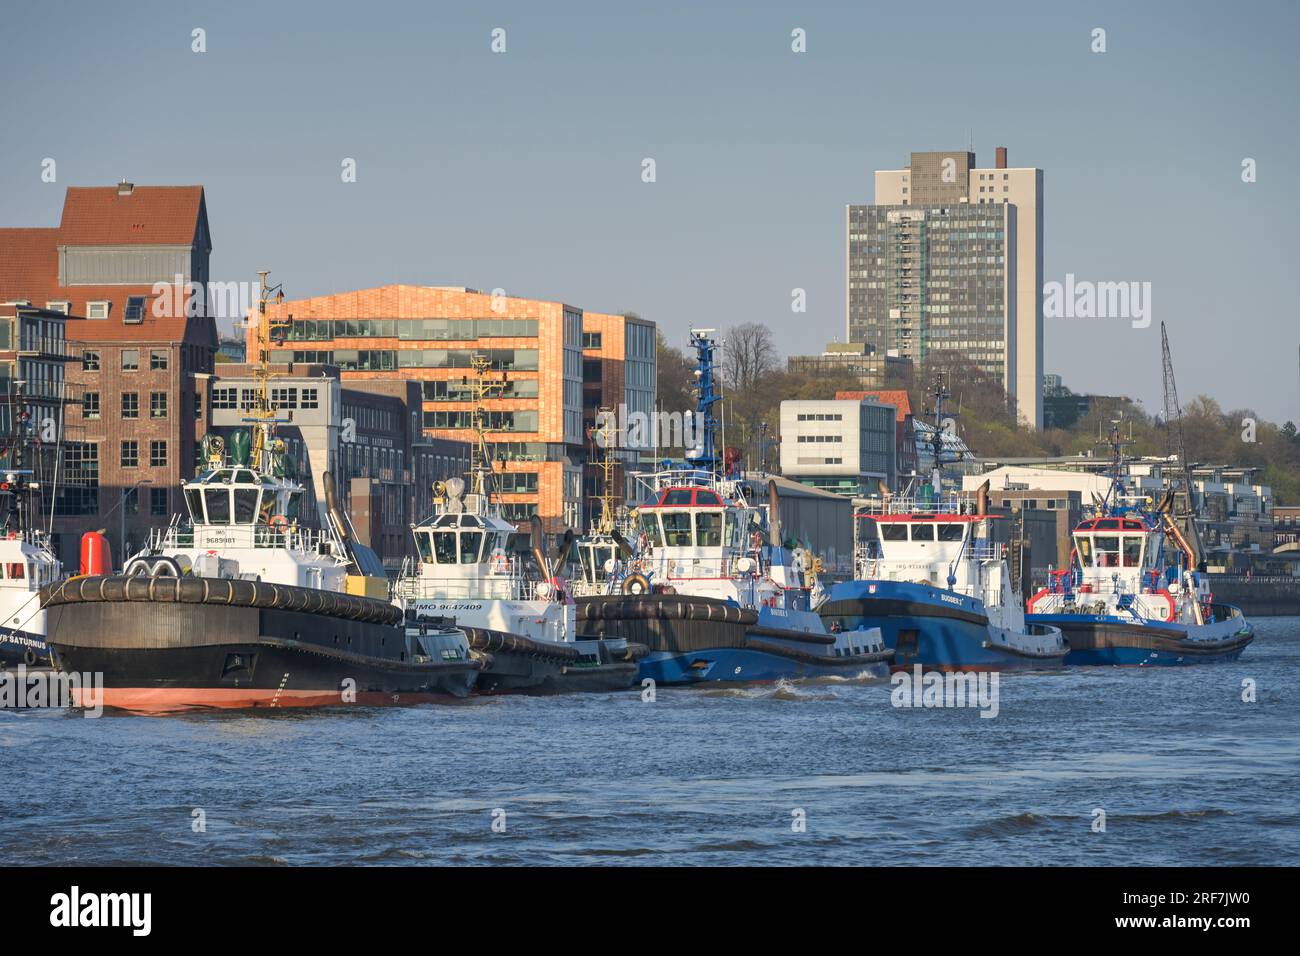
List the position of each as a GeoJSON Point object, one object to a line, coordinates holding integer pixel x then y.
{"type": "Point", "coordinates": [417, 587]}
{"type": "Point", "coordinates": [218, 537]}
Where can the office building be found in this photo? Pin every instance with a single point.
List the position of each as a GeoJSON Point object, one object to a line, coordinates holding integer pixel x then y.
{"type": "Point", "coordinates": [948, 259]}
{"type": "Point", "coordinates": [844, 446]}
{"type": "Point", "coordinates": [534, 350]}
{"type": "Point", "coordinates": [854, 365]}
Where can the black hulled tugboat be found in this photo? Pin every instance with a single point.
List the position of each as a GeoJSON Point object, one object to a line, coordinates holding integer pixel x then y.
{"type": "Point", "coordinates": [243, 606]}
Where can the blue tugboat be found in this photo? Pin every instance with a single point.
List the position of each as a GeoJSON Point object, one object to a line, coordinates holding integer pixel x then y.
{"type": "Point", "coordinates": [703, 579]}
{"type": "Point", "coordinates": [1133, 593]}
{"type": "Point", "coordinates": [941, 590]}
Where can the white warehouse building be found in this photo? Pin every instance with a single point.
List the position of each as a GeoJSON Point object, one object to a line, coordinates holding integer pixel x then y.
{"type": "Point", "coordinates": [842, 445]}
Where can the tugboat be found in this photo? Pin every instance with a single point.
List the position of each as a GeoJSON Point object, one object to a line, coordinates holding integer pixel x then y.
{"type": "Point", "coordinates": [940, 589]}
{"type": "Point", "coordinates": [519, 619]}
{"type": "Point", "coordinates": [709, 586]}
{"type": "Point", "coordinates": [1133, 593]}
{"type": "Point", "coordinates": [27, 564]}
{"type": "Point", "coordinates": [243, 606]}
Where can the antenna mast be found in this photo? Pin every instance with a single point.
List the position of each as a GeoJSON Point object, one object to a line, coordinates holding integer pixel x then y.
{"type": "Point", "coordinates": [1174, 442]}
{"type": "Point", "coordinates": [262, 414]}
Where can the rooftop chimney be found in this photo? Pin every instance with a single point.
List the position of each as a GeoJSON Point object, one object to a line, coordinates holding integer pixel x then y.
{"type": "Point", "coordinates": [1002, 158]}
{"type": "Point", "coordinates": [124, 188]}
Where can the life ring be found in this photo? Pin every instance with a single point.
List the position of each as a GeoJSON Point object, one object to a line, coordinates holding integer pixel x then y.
{"type": "Point", "coordinates": [29, 657]}
{"type": "Point", "coordinates": [636, 584]}
{"type": "Point", "coordinates": [500, 563]}
{"type": "Point", "coordinates": [280, 523]}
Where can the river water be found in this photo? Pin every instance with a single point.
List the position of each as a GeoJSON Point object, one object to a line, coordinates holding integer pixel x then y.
{"type": "Point", "coordinates": [822, 772]}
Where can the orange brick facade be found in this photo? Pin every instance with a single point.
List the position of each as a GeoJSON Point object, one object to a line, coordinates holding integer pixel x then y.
{"type": "Point", "coordinates": [549, 448]}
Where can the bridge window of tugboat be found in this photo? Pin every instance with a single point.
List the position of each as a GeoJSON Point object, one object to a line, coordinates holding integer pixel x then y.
{"type": "Point", "coordinates": [424, 545]}
{"type": "Point", "coordinates": [1132, 551]}
{"type": "Point", "coordinates": [950, 532]}
{"type": "Point", "coordinates": [444, 547]}
{"type": "Point", "coordinates": [650, 525]}
{"type": "Point", "coordinates": [893, 532]}
{"type": "Point", "coordinates": [471, 545]}
{"type": "Point", "coordinates": [1107, 550]}
{"type": "Point", "coordinates": [194, 501]}
{"type": "Point", "coordinates": [708, 528]}
{"type": "Point", "coordinates": [677, 529]}
{"type": "Point", "coordinates": [245, 505]}
{"type": "Point", "coordinates": [735, 530]}
{"type": "Point", "coordinates": [218, 502]}
{"type": "Point", "coordinates": [922, 532]}
{"type": "Point", "coordinates": [1084, 545]}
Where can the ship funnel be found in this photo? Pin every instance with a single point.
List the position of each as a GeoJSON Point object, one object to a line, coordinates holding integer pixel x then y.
{"type": "Point", "coordinates": [537, 542]}
{"type": "Point", "coordinates": [332, 504]}
{"type": "Point", "coordinates": [562, 551]}
{"type": "Point", "coordinates": [982, 499]}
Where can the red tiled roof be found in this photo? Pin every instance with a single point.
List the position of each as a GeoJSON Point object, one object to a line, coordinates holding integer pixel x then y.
{"type": "Point", "coordinates": [154, 215]}
{"type": "Point", "coordinates": [29, 264]}
{"type": "Point", "coordinates": [892, 396]}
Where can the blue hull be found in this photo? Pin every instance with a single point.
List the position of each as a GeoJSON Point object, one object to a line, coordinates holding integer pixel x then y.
{"type": "Point", "coordinates": [924, 625]}
{"type": "Point", "coordinates": [742, 665]}
{"type": "Point", "coordinates": [1122, 642]}
{"type": "Point", "coordinates": [19, 647]}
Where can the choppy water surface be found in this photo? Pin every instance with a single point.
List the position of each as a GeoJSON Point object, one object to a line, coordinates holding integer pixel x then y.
{"type": "Point", "coordinates": [1186, 772]}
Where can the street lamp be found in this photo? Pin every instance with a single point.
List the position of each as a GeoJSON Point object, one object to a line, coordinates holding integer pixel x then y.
{"type": "Point", "coordinates": [122, 518]}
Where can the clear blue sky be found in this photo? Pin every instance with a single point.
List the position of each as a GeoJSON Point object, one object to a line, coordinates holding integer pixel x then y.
{"type": "Point", "coordinates": [522, 170]}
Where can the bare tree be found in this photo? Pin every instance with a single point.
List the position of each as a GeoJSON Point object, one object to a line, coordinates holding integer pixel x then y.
{"type": "Point", "coordinates": [748, 355]}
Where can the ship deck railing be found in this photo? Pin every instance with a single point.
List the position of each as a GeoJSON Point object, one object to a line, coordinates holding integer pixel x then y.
{"type": "Point", "coordinates": [239, 536]}
{"type": "Point", "coordinates": [948, 503]}
{"type": "Point", "coordinates": [417, 587]}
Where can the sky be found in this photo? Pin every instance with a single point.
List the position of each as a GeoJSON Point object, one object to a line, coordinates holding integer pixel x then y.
{"type": "Point", "coordinates": [523, 170]}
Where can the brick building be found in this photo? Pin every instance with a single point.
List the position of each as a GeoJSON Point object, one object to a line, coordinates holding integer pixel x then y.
{"type": "Point", "coordinates": [429, 334]}
{"type": "Point", "coordinates": [129, 435]}
{"type": "Point", "coordinates": [619, 372]}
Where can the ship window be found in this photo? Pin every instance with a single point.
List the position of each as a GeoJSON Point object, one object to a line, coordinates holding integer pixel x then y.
{"type": "Point", "coordinates": [950, 532]}
{"type": "Point", "coordinates": [1084, 543]}
{"type": "Point", "coordinates": [424, 546]}
{"type": "Point", "coordinates": [707, 498]}
{"type": "Point", "coordinates": [708, 528]}
{"type": "Point", "coordinates": [245, 505]}
{"type": "Point", "coordinates": [680, 496]}
{"type": "Point", "coordinates": [893, 532]}
{"type": "Point", "coordinates": [677, 529]}
{"type": "Point", "coordinates": [1107, 550]}
{"type": "Point", "coordinates": [650, 525]}
{"type": "Point", "coordinates": [922, 532]}
{"type": "Point", "coordinates": [218, 502]}
{"type": "Point", "coordinates": [194, 501]}
{"type": "Point", "coordinates": [444, 547]}
{"type": "Point", "coordinates": [1132, 551]}
{"type": "Point", "coordinates": [471, 543]}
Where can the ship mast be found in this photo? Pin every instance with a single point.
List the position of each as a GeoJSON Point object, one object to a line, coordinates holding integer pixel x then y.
{"type": "Point", "coordinates": [604, 436]}
{"type": "Point", "coordinates": [261, 415]}
{"type": "Point", "coordinates": [481, 473]}
{"type": "Point", "coordinates": [706, 456]}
